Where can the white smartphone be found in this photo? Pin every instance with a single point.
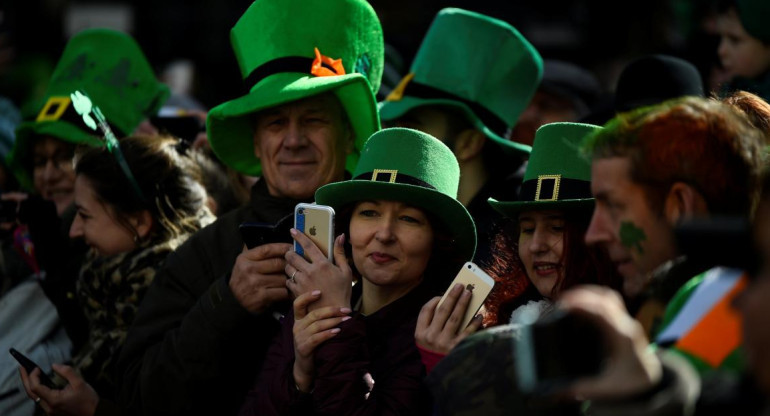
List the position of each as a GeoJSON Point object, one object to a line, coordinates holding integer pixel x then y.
{"type": "Point", "coordinates": [317, 222]}
{"type": "Point", "coordinates": [478, 282]}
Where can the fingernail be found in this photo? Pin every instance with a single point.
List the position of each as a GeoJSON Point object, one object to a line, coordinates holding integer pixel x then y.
{"type": "Point", "coordinates": [293, 231]}
{"type": "Point", "coordinates": [315, 292]}
{"type": "Point", "coordinates": [458, 286]}
{"type": "Point", "coordinates": [345, 318]}
{"type": "Point", "coordinates": [335, 330]}
{"type": "Point", "coordinates": [346, 310]}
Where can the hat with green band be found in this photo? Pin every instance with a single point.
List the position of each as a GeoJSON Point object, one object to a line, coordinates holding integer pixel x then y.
{"type": "Point", "coordinates": [481, 65]}
{"type": "Point", "coordinates": [558, 176]}
{"type": "Point", "coordinates": [413, 167]}
{"type": "Point", "coordinates": [288, 50]}
{"type": "Point", "coordinates": [110, 67]}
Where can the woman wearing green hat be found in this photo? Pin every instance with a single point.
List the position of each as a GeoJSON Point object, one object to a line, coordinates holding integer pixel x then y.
{"type": "Point", "coordinates": [404, 237]}
{"type": "Point", "coordinates": [553, 212]}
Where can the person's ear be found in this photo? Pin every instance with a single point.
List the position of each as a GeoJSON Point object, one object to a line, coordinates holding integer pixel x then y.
{"type": "Point", "coordinates": [142, 222]}
{"type": "Point", "coordinates": [684, 201]}
{"type": "Point", "coordinates": [468, 144]}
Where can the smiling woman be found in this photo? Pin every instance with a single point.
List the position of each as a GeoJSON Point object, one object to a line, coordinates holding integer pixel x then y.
{"type": "Point", "coordinates": [407, 236]}
{"type": "Point", "coordinates": [129, 236]}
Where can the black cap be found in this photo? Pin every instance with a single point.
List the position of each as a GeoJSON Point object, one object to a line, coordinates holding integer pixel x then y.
{"type": "Point", "coordinates": [654, 79]}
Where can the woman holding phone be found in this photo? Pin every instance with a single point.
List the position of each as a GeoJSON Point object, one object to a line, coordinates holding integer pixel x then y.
{"type": "Point", "coordinates": [552, 215]}
{"type": "Point", "coordinates": [349, 348]}
{"type": "Point", "coordinates": [131, 217]}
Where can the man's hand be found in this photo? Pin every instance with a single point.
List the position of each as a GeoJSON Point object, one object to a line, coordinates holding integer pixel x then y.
{"type": "Point", "coordinates": [258, 278]}
{"type": "Point", "coordinates": [631, 367]}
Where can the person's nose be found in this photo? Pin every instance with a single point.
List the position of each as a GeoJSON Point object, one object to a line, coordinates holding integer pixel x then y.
{"type": "Point", "coordinates": [598, 230]}
{"type": "Point", "coordinates": [51, 170]}
{"type": "Point", "coordinates": [295, 135]}
{"type": "Point", "coordinates": [76, 229]}
{"type": "Point", "coordinates": [385, 230]}
{"type": "Point", "coordinates": [538, 243]}
{"type": "Point", "coordinates": [722, 49]}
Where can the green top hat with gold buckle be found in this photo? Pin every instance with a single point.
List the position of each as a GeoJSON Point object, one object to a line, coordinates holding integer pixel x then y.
{"type": "Point", "coordinates": [110, 67]}
{"type": "Point", "coordinates": [557, 176]}
{"type": "Point", "coordinates": [288, 50]}
{"type": "Point", "coordinates": [481, 65]}
{"type": "Point", "coordinates": [413, 167]}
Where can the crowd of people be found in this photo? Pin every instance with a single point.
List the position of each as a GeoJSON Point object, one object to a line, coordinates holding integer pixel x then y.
{"type": "Point", "coordinates": [628, 242]}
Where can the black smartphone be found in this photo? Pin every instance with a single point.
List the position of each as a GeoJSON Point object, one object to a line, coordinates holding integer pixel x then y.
{"type": "Point", "coordinates": [718, 241]}
{"type": "Point", "coordinates": [30, 365]}
{"type": "Point", "coordinates": [556, 350]}
{"type": "Point", "coordinates": [255, 234]}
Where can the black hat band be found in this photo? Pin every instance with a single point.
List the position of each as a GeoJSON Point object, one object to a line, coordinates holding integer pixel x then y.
{"type": "Point", "coordinates": [554, 188]}
{"type": "Point", "coordinates": [392, 176]}
{"type": "Point", "coordinates": [492, 121]}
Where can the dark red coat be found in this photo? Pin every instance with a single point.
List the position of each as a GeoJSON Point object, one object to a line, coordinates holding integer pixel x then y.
{"type": "Point", "coordinates": [381, 344]}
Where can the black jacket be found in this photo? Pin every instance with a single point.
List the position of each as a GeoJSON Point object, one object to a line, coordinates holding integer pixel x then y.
{"type": "Point", "coordinates": [193, 349]}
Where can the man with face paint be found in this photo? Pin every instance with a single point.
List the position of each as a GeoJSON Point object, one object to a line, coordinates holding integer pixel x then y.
{"type": "Point", "coordinates": [652, 169]}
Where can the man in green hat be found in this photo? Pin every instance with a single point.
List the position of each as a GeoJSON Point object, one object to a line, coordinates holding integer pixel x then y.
{"type": "Point", "coordinates": [471, 79]}
{"type": "Point", "coordinates": [202, 332]}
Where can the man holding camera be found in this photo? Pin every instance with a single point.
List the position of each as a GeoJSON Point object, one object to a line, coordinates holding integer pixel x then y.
{"type": "Point", "coordinates": [201, 334]}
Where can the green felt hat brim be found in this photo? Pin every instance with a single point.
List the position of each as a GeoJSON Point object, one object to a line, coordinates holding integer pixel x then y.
{"type": "Point", "coordinates": [230, 129]}
{"type": "Point", "coordinates": [391, 110]}
{"type": "Point", "coordinates": [513, 208]}
{"type": "Point", "coordinates": [455, 218]}
{"type": "Point", "coordinates": [27, 131]}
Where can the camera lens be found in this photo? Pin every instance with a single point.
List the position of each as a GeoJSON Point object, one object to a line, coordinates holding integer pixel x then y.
{"type": "Point", "coordinates": [469, 266]}
{"type": "Point", "coordinates": [301, 211]}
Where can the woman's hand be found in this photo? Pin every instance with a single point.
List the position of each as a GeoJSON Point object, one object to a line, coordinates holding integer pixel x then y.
{"type": "Point", "coordinates": [311, 328]}
{"type": "Point", "coordinates": [438, 330]}
{"type": "Point", "coordinates": [335, 280]}
{"type": "Point", "coordinates": [78, 398]}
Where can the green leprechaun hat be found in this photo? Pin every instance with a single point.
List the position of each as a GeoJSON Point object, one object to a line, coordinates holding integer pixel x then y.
{"type": "Point", "coordinates": [410, 166]}
{"type": "Point", "coordinates": [110, 67]}
{"type": "Point", "coordinates": [293, 49]}
{"type": "Point", "coordinates": [557, 176]}
{"type": "Point", "coordinates": [481, 65]}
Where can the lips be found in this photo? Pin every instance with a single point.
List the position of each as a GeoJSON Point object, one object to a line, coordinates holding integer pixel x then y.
{"type": "Point", "coordinates": [545, 268]}
{"type": "Point", "coordinates": [381, 258]}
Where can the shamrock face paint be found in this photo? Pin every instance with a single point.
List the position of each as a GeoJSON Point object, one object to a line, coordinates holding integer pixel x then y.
{"type": "Point", "coordinates": [632, 236]}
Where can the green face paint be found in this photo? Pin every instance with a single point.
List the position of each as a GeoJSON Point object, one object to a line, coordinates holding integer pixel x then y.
{"type": "Point", "coordinates": [632, 236]}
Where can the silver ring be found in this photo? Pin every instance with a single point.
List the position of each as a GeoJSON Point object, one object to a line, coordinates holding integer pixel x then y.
{"type": "Point", "coordinates": [37, 400]}
{"type": "Point", "coordinates": [292, 276]}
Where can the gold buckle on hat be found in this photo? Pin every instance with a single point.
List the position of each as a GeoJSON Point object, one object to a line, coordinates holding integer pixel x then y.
{"type": "Point", "coordinates": [58, 104]}
{"type": "Point", "coordinates": [556, 182]}
{"type": "Point", "coordinates": [390, 172]}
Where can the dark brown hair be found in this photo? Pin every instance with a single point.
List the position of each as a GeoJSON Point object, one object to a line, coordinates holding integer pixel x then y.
{"type": "Point", "coordinates": [168, 178]}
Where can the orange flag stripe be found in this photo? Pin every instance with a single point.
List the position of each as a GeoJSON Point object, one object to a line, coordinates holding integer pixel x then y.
{"type": "Point", "coordinates": [719, 332]}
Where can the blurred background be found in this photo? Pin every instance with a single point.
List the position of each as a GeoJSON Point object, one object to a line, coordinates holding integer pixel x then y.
{"type": "Point", "coordinates": [187, 41]}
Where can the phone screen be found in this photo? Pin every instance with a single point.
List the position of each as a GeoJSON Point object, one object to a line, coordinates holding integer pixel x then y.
{"type": "Point", "coordinates": [30, 365]}
{"type": "Point", "coordinates": [478, 282]}
{"type": "Point", "coordinates": [317, 222]}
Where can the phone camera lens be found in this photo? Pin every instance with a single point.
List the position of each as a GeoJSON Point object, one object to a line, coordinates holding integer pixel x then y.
{"type": "Point", "coordinates": [301, 211]}
{"type": "Point", "coordinates": [469, 266]}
